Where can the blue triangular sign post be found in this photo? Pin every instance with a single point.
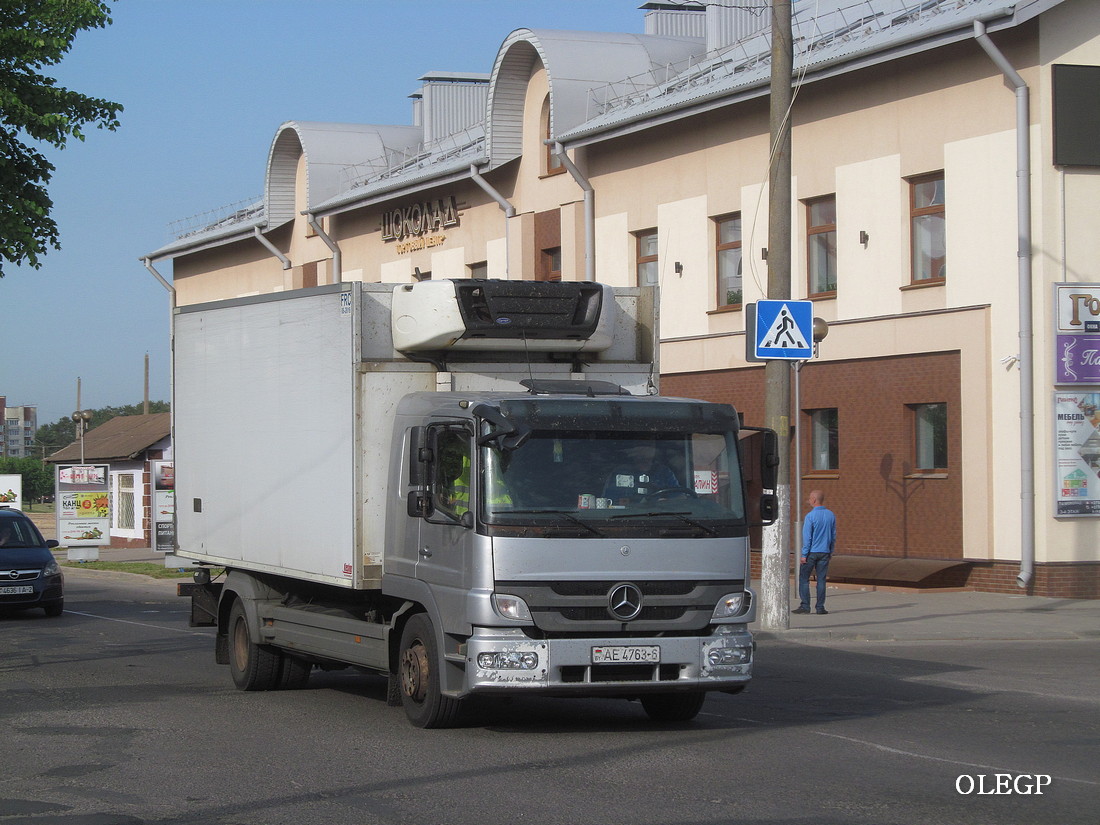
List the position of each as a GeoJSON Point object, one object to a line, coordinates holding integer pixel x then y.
{"type": "Point", "coordinates": [784, 330]}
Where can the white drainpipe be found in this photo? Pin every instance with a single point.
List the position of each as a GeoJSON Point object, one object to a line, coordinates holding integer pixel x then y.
{"type": "Point", "coordinates": [509, 210]}
{"type": "Point", "coordinates": [589, 209]}
{"type": "Point", "coordinates": [1027, 372]}
{"type": "Point", "coordinates": [337, 258]}
{"type": "Point", "coordinates": [271, 247]}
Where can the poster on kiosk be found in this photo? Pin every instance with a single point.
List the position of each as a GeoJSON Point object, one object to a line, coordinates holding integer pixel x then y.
{"type": "Point", "coordinates": [83, 508]}
{"type": "Point", "coordinates": [11, 491]}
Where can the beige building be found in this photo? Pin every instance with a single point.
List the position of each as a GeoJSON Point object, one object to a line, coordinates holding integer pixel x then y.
{"type": "Point", "coordinates": [925, 156]}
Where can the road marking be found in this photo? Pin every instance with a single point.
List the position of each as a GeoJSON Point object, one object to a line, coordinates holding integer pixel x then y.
{"type": "Point", "coordinates": [139, 624]}
{"type": "Point", "coordinates": [888, 749]}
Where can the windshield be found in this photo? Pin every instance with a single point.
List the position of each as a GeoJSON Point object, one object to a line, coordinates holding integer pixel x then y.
{"type": "Point", "coordinates": [19, 532]}
{"type": "Point", "coordinates": [599, 482]}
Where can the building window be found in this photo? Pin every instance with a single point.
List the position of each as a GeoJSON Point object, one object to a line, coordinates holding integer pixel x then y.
{"type": "Point", "coordinates": [824, 450]}
{"type": "Point", "coordinates": [927, 205]}
{"type": "Point", "coordinates": [647, 257]}
{"type": "Point", "coordinates": [551, 162]}
{"type": "Point", "coordinates": [550, 265]}
{"type": "Point", "coordinates": [480, 270]}
{"type": "Point", "coordinates": [930, 429]}
{"type": "Point", "coordinates": [125, 502]}
{"type": "Point", "coordinates": [821, 245]}
{"type": "Point", "coordinates": [728, 257]}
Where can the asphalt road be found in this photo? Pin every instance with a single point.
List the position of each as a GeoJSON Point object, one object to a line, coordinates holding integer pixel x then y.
{"type": "Point", "coordinates": [116, 713]}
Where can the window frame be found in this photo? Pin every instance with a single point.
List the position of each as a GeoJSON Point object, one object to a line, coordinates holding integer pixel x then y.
{"type": "Point", "coordinates": [640, 259]}
{"type": "Point", "coordinates": [915, 214]}
{"type": "Point", "coordinates": [721, 290]}
{"type": "Point", "coordinates": [546, 264]}
{"type": "Point", "coordinates": [833, 446]}
{"type": "Point", "coordinates": [551, 163]}
{"type": "Point", "coordinates": [812, 231]}
{"type": "Point", "coordinates": [920, 448]}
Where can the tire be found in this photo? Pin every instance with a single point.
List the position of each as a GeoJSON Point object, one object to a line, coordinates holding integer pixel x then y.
{"type": "Point", "coordinates": [673, 707]}
{"type": "Point", "coordinates": [253, 666]}
{"type": "Point", "coordinates": [55, 609]}
{"type": "Point", "coordinates": [293, 672]}
{"type": "Point", "coordinates": [418, 671]}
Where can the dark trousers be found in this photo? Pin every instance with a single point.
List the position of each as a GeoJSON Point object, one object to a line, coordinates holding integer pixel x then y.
{"type": "Point", "coordinates": [818, 564]}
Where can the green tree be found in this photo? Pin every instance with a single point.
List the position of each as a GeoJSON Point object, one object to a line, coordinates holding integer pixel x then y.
{"type": "Point", "coordinates": [37, 477]}
{"type": "Point", "coordinates": [35, 34]}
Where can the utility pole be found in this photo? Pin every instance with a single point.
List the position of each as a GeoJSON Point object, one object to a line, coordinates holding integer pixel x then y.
{"type": "Point", "coordinates": [775, 580]}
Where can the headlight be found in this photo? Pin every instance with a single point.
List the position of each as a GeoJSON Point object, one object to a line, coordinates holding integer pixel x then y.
{"type": "Point", "coordinates": [729, 606]}
{"type": "Point", "coordinates": [52, 569]}
{"type": "Point", "coordinates": [511, 607]}
{"type": "Point", "coordinates": [511, 660]}
{"type": "Point", "coordinates": [728, 656]}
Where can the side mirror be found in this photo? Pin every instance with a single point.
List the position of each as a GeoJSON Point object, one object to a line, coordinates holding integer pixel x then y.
{"type": "Point", "coordinates": [769, 459]}
{"type": "Point", "coordinates": [420, 457]}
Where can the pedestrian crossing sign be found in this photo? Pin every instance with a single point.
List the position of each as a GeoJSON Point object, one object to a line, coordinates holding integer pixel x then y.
{"type": "Point", "coordinates": [784, 330]}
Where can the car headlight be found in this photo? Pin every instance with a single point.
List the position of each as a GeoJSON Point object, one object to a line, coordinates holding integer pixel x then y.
{"type": "Point", "coordinates": [729, 606]}
{"type": "Point", "coordinates": [52, 569]}
{"type": "Point", "coordinates": [718, 656]}
{"type": "Point", "coordinates": [511, 607]}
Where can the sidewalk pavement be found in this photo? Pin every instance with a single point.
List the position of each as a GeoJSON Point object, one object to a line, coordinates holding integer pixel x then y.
{"type": "Point", "coordinates": [867, 614]}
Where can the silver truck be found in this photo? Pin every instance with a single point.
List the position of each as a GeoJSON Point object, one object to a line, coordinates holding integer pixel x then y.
{"type": "Point", "coordinates": [467, 487]}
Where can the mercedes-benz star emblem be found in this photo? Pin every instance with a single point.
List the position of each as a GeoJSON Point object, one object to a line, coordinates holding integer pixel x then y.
{"type": "Point", "coordinates": [624, 602]}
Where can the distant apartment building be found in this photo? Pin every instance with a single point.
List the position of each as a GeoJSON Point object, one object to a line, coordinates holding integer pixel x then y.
{"type": "Point", "coordinates": [20, 426]}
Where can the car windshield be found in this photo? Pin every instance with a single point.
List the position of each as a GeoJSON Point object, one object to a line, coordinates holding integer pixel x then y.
{"type": "Point", "coordinates": [18, 532]}
{"type": "Point", "coordinates": [599, 477]}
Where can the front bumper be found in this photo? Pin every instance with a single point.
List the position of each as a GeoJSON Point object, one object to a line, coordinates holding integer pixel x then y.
{"type": "Point", "coordinates": [719, 661]}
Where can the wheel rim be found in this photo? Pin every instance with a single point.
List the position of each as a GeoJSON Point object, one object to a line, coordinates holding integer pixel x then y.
{"type": "Point", "coordinates": [414, 671]}
{"type": "Point", "coordinates": [240, 644]}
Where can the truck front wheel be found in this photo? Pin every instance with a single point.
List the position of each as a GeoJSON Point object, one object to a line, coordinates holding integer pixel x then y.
{"type": "Point", "coordinates": [254, 667]}
{"type": "Point", "coordinates": [418, 670]}
{"type": "Point", "coordinates": [673, 707]}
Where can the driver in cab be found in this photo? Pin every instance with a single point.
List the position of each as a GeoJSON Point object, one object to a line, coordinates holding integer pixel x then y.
{"type": "Point", "coordinates": [643, 475]}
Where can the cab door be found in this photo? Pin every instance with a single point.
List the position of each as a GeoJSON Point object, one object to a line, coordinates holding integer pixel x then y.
{"type": "Point", "coordinates": [445, 533]}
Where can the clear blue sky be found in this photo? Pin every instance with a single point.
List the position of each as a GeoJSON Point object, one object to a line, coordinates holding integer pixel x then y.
{"type": "Point", "coordinates": [205, 84]}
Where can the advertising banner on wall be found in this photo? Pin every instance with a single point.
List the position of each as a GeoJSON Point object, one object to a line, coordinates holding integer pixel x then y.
{"type": "Point", "coordinates": [164, 506]}
{"type": "Point", "coordinates": [83, 505]}
{"type": "Point", "coordinates": [1077, 453]}
{"type": "Point", "coordinates": [1077, 338]}
{"type": "Point", "coordinates": [11, 491]}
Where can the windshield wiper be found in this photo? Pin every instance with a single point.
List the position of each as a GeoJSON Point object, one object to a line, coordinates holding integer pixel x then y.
{"type": "Point", "coordinates": [682, 516]}
{"type": "Point", "coordinates": [565, 513]}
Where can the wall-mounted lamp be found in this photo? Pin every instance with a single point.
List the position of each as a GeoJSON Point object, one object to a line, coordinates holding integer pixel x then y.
{"type": "Point", "coordinates": [678, 268]}
{"type": "Point", "coordinates": [863, 238]}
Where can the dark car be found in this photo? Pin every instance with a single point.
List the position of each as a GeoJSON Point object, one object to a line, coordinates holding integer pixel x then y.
{"type": "Point", "coordinates": [29, 574]}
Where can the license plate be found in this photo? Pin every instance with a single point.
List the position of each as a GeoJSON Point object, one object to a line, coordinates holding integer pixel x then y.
{"type": "Point", "coordinates": [626, 654]}
{"type": "Point", "coordinates": [18, 590]}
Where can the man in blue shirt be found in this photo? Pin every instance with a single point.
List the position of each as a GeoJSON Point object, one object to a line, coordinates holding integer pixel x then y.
{"type": "Point", "coordinates": [818, 542]}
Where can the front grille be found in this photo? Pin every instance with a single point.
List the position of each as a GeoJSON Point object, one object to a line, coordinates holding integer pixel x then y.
{"type": "Point", "coordinates": [568, 608]}
{"type": "Point", "coordinates": [10, 576]}
{"type": "Point", "coordinates": [580, 674]}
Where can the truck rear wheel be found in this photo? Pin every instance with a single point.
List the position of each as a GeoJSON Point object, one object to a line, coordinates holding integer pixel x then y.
{"type": "Point", "coordinates": [673, 707]}
{"type": "Point", "coordinates": [418, 670]}
{"type": "Point", "coordinates": [293, 672]}
{"type": "Point", "coordinates": [253, 666]}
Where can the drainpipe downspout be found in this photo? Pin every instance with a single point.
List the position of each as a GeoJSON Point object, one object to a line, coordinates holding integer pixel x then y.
{"type": "Point", "coordinates": [509, 210]}
{"type": "Point", "coordinates": [589, 209]}
{"type": "Point", "coordinates": [163, 281]}
{"type": "Point", "coordinates": [337, 258]}
{"type": "Point", "coordinates": [258, 235]}
{"type": "Point", "coordinates": [1027, 371]}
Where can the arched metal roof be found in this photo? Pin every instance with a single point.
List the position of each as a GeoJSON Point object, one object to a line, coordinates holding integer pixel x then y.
{"type": "Point", "coordinates": [575, 62]}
